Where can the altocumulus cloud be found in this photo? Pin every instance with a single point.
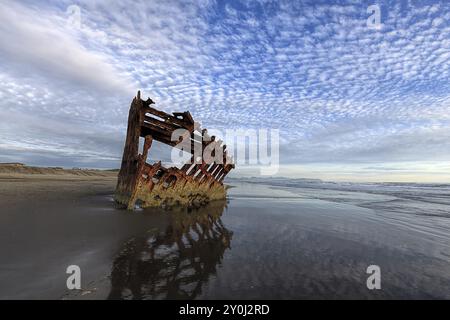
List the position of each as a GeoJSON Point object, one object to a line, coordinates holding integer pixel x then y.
{"type": "Point", "coordinates": [339, 92]}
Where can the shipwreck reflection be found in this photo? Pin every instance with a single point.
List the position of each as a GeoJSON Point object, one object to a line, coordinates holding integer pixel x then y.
{"type": "Point", "coordinates": [175, 262]}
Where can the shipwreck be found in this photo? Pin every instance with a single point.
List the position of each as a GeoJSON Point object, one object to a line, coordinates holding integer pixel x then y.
{"type": "Point", "coordinates": [196, 183]}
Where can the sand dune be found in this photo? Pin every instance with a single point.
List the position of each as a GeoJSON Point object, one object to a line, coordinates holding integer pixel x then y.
{"type": "Point", "coordinates": [19, 170]}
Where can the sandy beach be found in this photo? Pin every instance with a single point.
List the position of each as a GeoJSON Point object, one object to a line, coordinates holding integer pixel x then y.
{"type": "Point", "coordinates": [265, 242]}
{"type": "Point", "coordinates": [52, 220]}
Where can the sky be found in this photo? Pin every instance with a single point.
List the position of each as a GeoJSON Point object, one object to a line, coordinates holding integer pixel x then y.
{"type": "Point", "coordinates": [351, 101]}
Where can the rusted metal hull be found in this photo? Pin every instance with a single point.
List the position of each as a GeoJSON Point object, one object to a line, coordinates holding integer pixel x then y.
{"type": "Point", "coordinates": [193, 185]}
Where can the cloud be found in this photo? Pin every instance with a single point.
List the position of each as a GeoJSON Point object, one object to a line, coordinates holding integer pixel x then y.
{"type": "Point", "coordinates": [34, 41]}
{"type": "Point", "coordinates": [338, 91]}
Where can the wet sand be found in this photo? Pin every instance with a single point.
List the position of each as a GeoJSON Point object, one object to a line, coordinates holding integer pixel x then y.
{"type": "Point", "coordinates": [50, 222]}
{"type": "Point", "coordinates": [263, 243]}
